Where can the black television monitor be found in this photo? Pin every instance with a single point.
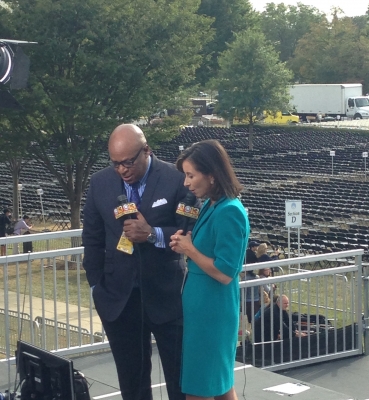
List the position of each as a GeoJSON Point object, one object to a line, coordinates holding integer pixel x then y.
{"type": "Point", "coordinates": [43, 375]}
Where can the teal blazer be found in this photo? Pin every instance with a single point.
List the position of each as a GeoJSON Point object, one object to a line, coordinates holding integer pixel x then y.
{"type": "Point", "coordinates": [221, 233]}
{"type": "Point", "coordinates": [210, 308]}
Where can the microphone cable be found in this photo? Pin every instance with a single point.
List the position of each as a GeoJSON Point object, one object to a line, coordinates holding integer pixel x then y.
{"type": "Point", "coordinates": [179, 325]}
{"type": "Point", "coordinates": [137, 249]}
{"type": "Point", "coordinates": [189, 200]}
{"type": "Point", "coordinates": [243, 336]}
{"type": "Point", "coordinates": [17, 386]}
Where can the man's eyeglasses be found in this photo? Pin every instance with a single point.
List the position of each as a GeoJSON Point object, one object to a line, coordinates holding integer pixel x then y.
{"type": "Point", "coordinates": [126, 163]}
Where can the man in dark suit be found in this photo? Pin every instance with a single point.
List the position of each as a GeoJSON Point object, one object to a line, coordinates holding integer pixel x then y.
{"type": "Point", "coordinates": [139, 293]}
{"type": "Point", "coordinates": [276, 322]}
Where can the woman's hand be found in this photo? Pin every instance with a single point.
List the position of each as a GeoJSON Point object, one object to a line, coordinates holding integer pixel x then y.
{"type": "Point", "coordinates": [180, 243]}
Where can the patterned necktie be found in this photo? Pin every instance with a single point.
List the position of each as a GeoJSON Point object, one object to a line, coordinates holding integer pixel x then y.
{"type": "Point", "coordinates": [135, 196]}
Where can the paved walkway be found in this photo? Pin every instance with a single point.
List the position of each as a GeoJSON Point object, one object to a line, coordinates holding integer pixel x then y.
{"type": "Point", "coordinates": [54, 311]}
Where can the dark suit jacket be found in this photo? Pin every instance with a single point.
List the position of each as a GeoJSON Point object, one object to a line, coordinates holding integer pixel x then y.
{"type": "Point", "coordinates": [114, 273]}
{"type": "Point", "coordinates": [251, 257]}
{"type": "Point", "coordinates": [275, 310]}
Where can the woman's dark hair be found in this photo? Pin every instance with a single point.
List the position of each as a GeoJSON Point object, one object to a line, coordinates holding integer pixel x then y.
{"type": "Point", "coordinates": [210, 158]}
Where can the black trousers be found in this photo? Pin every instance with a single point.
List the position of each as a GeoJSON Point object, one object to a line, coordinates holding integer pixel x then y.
{"type": "Point", "coordinates": [130, 342]}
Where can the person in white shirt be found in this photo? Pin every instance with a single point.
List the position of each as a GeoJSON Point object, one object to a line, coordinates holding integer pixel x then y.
{"type": "Point", "coordinates": [22, 225]}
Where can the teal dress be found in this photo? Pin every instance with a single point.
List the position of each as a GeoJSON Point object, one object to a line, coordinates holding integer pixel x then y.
{"type": "Point", "coordinates": [210, 308]}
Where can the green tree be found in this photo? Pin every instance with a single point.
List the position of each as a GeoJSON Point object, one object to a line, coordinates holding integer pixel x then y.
{"type": "Point", "coordinates": [252, 79]}
{"type": "Point", "coordinates": [362, 23]}
{"type": "Point", "coordinates": [98, 64]}
{"type": "Point", "coordinates": [13, 150]}
{"type": "Point", "coordinates": [333, 52]}
{"type": "Point", "coordinates": [284, 25]}
{"type": "Point", "coordinates": [228, 17]}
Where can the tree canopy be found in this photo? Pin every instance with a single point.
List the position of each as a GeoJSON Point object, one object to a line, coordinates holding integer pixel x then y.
{"type": "Point", "coordinates": [252, 79]}
{"type": "Point", "coordinates": [333, 52]}
{"type": "Point", "coordinates": [228, 17]}
{"type": "Point", "coordinates": [101, 63]}
{"type": "Point", "coordinates": [284, 25]}
{"type": "Point", "coordinates": [98, 64]}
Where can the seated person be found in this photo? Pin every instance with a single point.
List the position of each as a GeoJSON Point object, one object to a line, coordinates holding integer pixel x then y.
{"type": "Point", "coordinates": [267, 302]}
{"type": "Point", "coordinates": [281, 328]}
{"type": "Point", "coordinates": [267, 287]}
{"type": "Point", "coordinates": [22, 225]}
{"type": "Point", "coordinates": [262, 256]}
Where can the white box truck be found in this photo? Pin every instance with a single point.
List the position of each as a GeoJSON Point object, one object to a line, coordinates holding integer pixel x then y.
{"type": "Point", "coordinates": [343, 100]}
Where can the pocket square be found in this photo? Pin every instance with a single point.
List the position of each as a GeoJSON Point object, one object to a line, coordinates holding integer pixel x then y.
{"type": "Point", "coordinates": [159, 202]}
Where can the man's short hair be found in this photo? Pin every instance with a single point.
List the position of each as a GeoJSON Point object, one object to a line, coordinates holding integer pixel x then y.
{"type": "Point", "coordinates": [280, 298]}
{"type": "Point", "coordinates": [25, 217]}
{"type": "Point", "coordinates": [6, 210]}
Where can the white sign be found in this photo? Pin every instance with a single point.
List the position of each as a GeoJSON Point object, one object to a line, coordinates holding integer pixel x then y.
{"type": "Point", "coordinates": [365, 154]}
{"type": "Point", "coordinates": [288, 388]}
{"type": "Point", "coordinates": [293, 213]}
{"type": "Point", "coordinates": [332, 153]}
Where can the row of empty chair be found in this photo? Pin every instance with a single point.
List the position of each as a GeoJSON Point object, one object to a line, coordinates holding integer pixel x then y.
{"type": "Point", "coordinates": [284, 165]}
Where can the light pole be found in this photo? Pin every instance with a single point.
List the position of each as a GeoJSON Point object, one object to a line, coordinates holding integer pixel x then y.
{"type": "Point", "coordinates": [40, 192]}
{"type": "Point", "coordinates": [365, 156]}
{"type": "Point", "coordinates": [20, 211]}
{"type": "Point", "coordinates": [332, 153]}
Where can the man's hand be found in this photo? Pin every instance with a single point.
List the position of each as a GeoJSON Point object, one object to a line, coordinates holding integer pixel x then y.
{"type": "Point", "coordinates": [137, 230]}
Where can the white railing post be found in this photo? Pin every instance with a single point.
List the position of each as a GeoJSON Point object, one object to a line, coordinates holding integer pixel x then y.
{"type": "Point", "coordinates": [366, 308]}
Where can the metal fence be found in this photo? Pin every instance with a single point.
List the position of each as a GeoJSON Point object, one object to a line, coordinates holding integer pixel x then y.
{"type": "Point", "coordinates": [44, 241]}
{"type": "Point", "coordinates": [329, 306]}
{"type": "Point", "coordinates": [46, 300]}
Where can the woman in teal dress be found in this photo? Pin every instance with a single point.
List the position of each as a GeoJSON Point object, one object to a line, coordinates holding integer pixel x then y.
{"type": "Point", "coordinates": [215, 250]}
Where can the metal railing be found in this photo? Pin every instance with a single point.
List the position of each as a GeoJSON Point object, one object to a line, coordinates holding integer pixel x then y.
{"type": "Point", "coordinates": [330, 307]}
{"type": "Point", "coordinates": [44, 241]}
{"type": "Point", "coordinates": [46, 300]}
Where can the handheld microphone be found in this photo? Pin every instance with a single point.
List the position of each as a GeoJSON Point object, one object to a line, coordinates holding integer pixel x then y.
{"type": "Point", "coordinates": [187, 209]}
{"type": "Point", "coordinates": [122, 199]}
{"type": "Point", "coordinates": [124, 209]}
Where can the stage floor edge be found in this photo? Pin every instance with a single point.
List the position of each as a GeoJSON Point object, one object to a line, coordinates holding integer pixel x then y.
{"type": "Point", "coordinates": [250, 382]}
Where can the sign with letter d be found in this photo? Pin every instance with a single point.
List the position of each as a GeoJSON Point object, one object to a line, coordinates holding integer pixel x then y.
{"type": "Point", "coordinates": [293, 214]}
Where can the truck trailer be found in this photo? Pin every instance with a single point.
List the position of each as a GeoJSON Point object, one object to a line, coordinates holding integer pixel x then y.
{"type": "Point", "coordinates": [333, 100]}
